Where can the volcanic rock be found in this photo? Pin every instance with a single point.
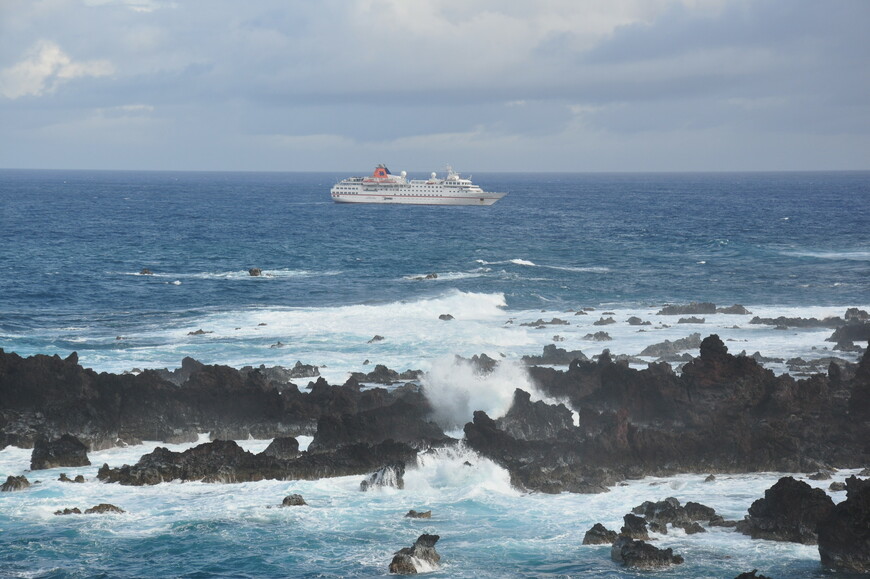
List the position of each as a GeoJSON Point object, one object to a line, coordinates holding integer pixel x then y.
{"type": "Point", "coordinates": [64, 478]}
{"type": "Point", "coordinates": [752, 575]}
{"type": "Point", "coordinates": [255, 272]}
{"type": "Point", "coordinates": [689, 309]}
{"type": "Point", "coordinates": [736, 309]}
{"type": "Point", "coordinates": [226, 462]}
{"type": "Point", "coordinates": [65, 451]}
{"type": "Point", "coordinates": [15, 483]}
{"type": "Point", "coordinates": [285, 448]}
{"type": "Point", "coordinates": [634, 527]}
{"type": "Point", "coordinates": [293, 500]}
{"type": "Point", "coordinates": [854, 331]}
{"type": "Point", "coordinates": [391, 475]}
{"type": "Point", "coordinates": [527, 420]}
{"type": "Point", "coordinates": [844, 536]}
{"type": "Point", "coordinates": [412, 514]}
{"type": "Point", "coordinates": [668, 348]}
{"type": "Point", "coordinates": [641, 555]}
{"type": "Point", "coordinates": [598, 337]}
{"type": "Point", "coordinates": [600, 535]}
{"type": "Point", "coordinates": [555, 356]}
{"type": "Point", "coordinates": [602, 321]}
{"type": "Point", "coordinates": [68, 511]}
{"type": "Point", "coordinates": [419, 557]}
{"type": "Point", "coordinates": [692, 320]}
{"type": "Point", "coordinates": [103, 508]}
{"type": "Point", "coordinates": [636, 321]}
{"type": "Point", "coordinates": [445, 317]}
{"type": "Point", "coordinates": [789, 511]}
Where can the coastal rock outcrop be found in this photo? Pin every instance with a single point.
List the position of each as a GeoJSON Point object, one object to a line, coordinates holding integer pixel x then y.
{"type": "Point", "coordinates": [642, 555]}
{"type": "Point", "coordinates": [600, 535]}
{"type": "Point", "coordinates": [391, 475]}
{"type": "Point", "coordinates": [65, 451]}
{"type": "Point", "coordinates": [844, 535]}
{"type": "Point", "coordinates": [226, 462]}
{"type": "Point", "coordinates": [790, 511]}
{"type": "Point", "coordinates": [15, 483]}
{"type": "Point", "coordinates": [418, 558]}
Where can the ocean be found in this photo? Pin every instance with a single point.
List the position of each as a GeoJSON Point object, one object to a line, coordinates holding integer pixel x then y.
{"type": "Point", "coordinates": [74, 244]}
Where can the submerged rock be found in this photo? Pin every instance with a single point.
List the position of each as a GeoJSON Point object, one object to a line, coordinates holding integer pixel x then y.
{"type": "Point", "coordinates": [419, 557]}
{"type": "Point", "coordinates": [752, 575]}
{"type": "Point", "coordinates": [412, 514]}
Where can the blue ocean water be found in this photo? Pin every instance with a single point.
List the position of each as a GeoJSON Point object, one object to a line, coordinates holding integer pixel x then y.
{"type": "Point", "coordinates": [73, 244]}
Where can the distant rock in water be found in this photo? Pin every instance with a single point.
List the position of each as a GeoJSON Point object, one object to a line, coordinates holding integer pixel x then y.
{"type": "Point", "coordinates": [668, 348]}
{"type": "Point", "coordinates": [376, 338]}
{"type": "Point", "coordinates": [65, 451]}
{"type": "Point", "coordinates": [15, 483]}
{"type": "Point", "coordinates": [540, 323]}
{"type": "Point", "coordinates": [412, 514]}
{"type": "Point", "coordinates": [255, 272]}
{"type": "Point", "coordinates": [199, 332]}
{"type": "Point", "coordinates": [555, 356]}
{"type": "Point", "coordinates": [602, 321]}
{"type": "Point", "coordinates": [790, 511]}
{"type": "Point", "coordinates": [692, 320]}
{"type": "Point", "coordinates": [146, 271]}
{"type": "Point", "coordinates": [598, 337]}
{"type": "Point", "coordinates": [636, 321]}
{"type": "Point", "coordinates": [693, 308]}
{"type": "Point", "coordinates": [782, 321]}
{"type": "Point", "coordinates": [736, 309]}
{"type": "Point", "coordinates": [104, 508]}
{"type": "Point", "coordinates": [418, 558]}
{"type": "Point", "coordinates": [844, 536]}
{"type": "Point", "coordinates": [445, 317]}
{"type": "Point", "coordinates": [752, 575]}
{"type": "Point", "coordinates": [293, 500]}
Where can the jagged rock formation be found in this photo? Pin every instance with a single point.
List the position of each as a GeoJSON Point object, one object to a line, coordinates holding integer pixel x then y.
{"type": "Point", "coordinates": [724, 413]}
{"type": "Point", "coordinates": [65, 451]}
{"type": "Point", "coordinates": [226, 462]}
{"type": "Point", "coordinates": [600, 535]}
{"type": "Point", "coordinates": [844, 536]}
{"type": "Point", "coordinates": [391, 475]}
{"type": "Point", "coordinates": [15, 483]}
{"type": "Point", "coordinates": [790, 511]}
{"type": "Point", "coordinates": [555, 356]}
{"type": "Point", "coordinates": [641, 555]}
{"type": "Point", "coordinates": [419, 557]}
{"type": "Point", "coordinates": [46, 396]}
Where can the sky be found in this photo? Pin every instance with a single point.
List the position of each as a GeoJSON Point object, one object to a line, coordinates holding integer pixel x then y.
{"type": "Point", "coordinates": [483, 85]}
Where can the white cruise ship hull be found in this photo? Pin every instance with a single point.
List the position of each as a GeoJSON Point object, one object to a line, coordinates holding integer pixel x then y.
{"type": "Point", "coordinates": [384, 188]}
{"type": "Point", "coordinates": [414, 199]}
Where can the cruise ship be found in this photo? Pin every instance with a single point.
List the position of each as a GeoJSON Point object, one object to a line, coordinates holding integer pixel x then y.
{"type": "Point", "coordinates": [384, 187]}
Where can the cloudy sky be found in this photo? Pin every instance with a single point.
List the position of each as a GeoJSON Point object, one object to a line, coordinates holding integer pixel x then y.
{"type": "Point", "coordinates": [487, 85]}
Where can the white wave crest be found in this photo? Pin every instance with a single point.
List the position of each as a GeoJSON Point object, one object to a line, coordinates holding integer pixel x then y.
{"type": "Point", "coordinates": [857, 255]}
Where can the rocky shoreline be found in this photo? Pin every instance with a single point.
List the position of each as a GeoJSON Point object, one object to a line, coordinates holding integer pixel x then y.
{"type": "Point", "coordinates": [721, 413]}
